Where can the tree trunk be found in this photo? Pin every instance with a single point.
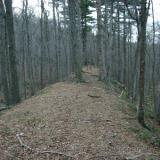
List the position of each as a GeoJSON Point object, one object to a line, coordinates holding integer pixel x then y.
{"type": "Point", "coordinates": [3, 54]}
{"type": "Point", "coordinates": [143, 22]}
{"type": "Point", "coordinates": [42, 46]}
{"type": "Point", "coordinates": [55, 34]}
{"type": "Point", "coordinates": [102, 66]}
{"type": "Point", "coordinates": [75, 35]}
{"type": "Point", "coordinates": [15, 96]}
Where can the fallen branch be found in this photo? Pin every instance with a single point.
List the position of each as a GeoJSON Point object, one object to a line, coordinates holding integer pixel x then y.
{"type": "Point", "coordinates": [3, 108]}
{"type": "Point", "coordinates": [95, 75]}
{"type": "Point", "coordinates": [56, 153]}
{"type": "Point", "coordinates": [98, 120]}
{"type": "Point", "coordinates": [94, 96]}
{"type": "Point", "coordinates": [21, 142]}
{"type": "Point", "coordinates": [139, 156]}
{"type": "Point", "coordinates": [37, 151]}
{"type": "Point", "coordinates": [121, 94]}
{"type": "Point", "coordinates": [122, 156]}
{"type": "Point", "coordinates": [130, 118]}
{"type": "Point", "coordinates": [104, 156]}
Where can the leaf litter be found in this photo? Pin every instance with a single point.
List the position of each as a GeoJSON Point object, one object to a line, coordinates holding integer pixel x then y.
{"type": "Point", "coordinates": [70, 121]}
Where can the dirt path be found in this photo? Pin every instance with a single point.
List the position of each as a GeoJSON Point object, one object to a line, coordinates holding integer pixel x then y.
{"type": "Point", "coordinates": [81, 120]}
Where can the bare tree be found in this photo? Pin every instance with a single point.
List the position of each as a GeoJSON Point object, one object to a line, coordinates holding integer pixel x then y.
{"type": "Point", "coordinates": [3, 54]}
{"type": "Point", "coordinates": [143, 26]}
{"type": "Point", "coordinates": [101, 57]}
{"type": "Point", "coordinates": [15, 95]}
{"type": "Point", "coordinates": [141, 19]}
{"type": "Point", "coordinates": [75, 35]}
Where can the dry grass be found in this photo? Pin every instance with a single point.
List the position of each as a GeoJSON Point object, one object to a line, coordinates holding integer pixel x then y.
{"type": "Point", "coordinates": [65, 119]}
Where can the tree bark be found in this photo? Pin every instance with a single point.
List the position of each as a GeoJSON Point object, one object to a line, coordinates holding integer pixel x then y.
{"type": "Point", "coordinates": [3, 54]}
{"type": "Point", "coordinates": [143, 23]}
{"type": "Point", "coordinates": [102, 66]}
{"type": "Point", "coordinates": [15, 95]}
{"type": "Point", "coordinates": [75, 35]}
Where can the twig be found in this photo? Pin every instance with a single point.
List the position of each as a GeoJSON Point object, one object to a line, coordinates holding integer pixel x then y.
{"type": "Point", "coordinates": [121, 156]}
{"type": "Point", "coordinates": [94, 96]}
{"type": "Point", "coordinates": [98, 120]}
{"type": "Point", "coordinates": [121, 94]}
{"type": "Point", "coordinates": [56, 153]}
{"type": "Point", "coordinates": [138, 156]}
{"type": "Point", "coordinates": [104, 156]}
{"type": "Point", "coordinates": [37, 151]}
{"type": "Point", "coordinates": [23, 144]}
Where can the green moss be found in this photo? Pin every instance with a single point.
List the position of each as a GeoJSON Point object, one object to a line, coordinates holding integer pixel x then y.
{"type": "Point", "coordinates": [135, 130]}
{"type": "Point", "coordinates": [145, 135]}
{"type": "Point", "coordinates": [130, 108]}
{"type": "Point", "coordinates": [141, 133]}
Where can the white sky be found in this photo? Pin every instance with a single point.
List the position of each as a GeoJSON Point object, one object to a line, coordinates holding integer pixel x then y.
{"type": "Point", "coordinates": [156, 4]}
{"type": "Point", "coordinates": [34, 5]}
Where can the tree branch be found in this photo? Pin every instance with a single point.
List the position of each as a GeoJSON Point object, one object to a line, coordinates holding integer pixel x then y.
{"type": "Point", "coordinates": [130, 13]}
{"type": "Point", "coordinates": [37, 151]}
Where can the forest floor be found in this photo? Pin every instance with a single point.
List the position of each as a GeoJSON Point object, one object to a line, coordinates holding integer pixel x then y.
{"type": "Point", "coordinates": [71, 121]}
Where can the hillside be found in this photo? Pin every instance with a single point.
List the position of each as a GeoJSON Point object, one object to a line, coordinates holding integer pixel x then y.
{"type": "Point", "coordinates": [70, 121]}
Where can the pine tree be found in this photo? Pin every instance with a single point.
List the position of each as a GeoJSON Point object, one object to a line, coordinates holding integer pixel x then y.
{"type": "Point", "coordinates": [86, 24]}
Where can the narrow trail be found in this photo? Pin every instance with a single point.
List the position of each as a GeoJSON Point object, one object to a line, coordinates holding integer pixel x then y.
{"type": "Point", "coordinates": [80, 120]}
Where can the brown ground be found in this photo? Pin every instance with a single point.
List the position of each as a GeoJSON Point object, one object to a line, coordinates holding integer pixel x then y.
{"type": "Point", "coordinates": [80, 120]}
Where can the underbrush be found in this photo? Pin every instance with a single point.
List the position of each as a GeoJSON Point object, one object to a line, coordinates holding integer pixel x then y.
{"type": "Point", "coordinates": [151, 136]}
{"type": "Point", "coordinates": [129, 108]}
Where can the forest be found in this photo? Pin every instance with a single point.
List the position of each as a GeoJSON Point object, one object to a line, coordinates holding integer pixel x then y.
{"type": "Point", "coordinates": [43, 46]}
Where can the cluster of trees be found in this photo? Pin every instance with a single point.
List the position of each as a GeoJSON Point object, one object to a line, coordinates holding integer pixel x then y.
{"type": "Point", "coordinates": [44, 49]}
{"type": "Point", "coordinates": [40, 49]}
{"type": "Point", "coordinates": [8, 54]}
{"type": "Point", "coordinates": [134, 64]}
